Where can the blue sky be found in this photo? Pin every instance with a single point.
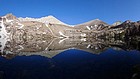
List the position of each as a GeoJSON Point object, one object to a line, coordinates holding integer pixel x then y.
{"type": "Point", "coordinates": [74, 11]}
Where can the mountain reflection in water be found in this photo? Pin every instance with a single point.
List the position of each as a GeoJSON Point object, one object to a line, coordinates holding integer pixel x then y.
{"type": "Point", "coordinates": [51, 47]}
{"type": "Point", "coordinates": [70, 58]}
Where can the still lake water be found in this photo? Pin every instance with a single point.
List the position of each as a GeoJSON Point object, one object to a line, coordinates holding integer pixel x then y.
{"type": "Point", "coordinates": [70, 59]}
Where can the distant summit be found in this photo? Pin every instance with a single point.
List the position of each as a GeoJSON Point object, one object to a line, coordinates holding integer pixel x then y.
{"type": "Point", "coordinates": [117, 23]}
{"type": "Point", "coordinates": [94, 22]}
{"type": "Point", "coordinates": [10, 16]}
{"type": "Point", "coordinates": [92, 25]}
{"type": "Point", "coordinates": [48, 19]}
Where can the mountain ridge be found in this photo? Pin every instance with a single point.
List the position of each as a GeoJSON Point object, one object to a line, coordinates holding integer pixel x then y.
{"type": "Point", "coordinates": [46, 19]}
{"type": "Point", "coordinates": [51, 26]}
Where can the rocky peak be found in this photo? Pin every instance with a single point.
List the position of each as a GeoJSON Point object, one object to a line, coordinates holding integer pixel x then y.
{"type": "Point", "coordinates": [97, 20]}
{"type": "Point", "coordinates": [93, 25]}
{"type": "Point", "coordinates": [117, 23]}
{"type": "Point", "coordinates": [50, 16]}
{"type": "Point", "coordinates": [128, 21]}
{"type": "Point", "coordinates": [10, 16]}
{"type": "Point", "coordinates": [46, 19]}
{"type": "Point", "coordinates": [93, 22]}
{"type": "Point", "coordinates": [51, 19]}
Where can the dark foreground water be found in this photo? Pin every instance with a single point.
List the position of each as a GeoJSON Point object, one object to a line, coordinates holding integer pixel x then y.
{"type": "Point", "coordinates": [73, 64]}
{"type": "Point", "coordinates": [70, 59]}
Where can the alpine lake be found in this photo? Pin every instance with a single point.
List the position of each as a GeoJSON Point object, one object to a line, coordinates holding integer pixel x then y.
{"type": "Point", "coordinates": [70, 58]}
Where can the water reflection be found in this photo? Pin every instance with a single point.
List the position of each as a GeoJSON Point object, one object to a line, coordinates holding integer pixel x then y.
{"type": "Point", "coordinates": [73, 64]}
{"type": "Point", "coordinates": [52, 46]}
{"type": "Point", "coordinates": [69, 58]}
